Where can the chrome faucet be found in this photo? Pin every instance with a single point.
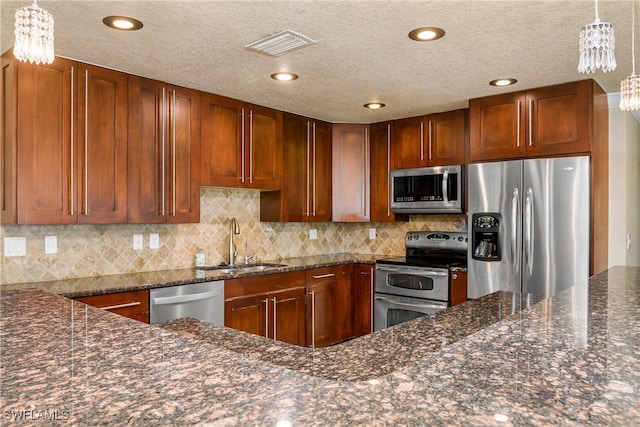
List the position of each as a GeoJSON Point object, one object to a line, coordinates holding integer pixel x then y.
{"type": "Point", "coordinates": [234, 228]}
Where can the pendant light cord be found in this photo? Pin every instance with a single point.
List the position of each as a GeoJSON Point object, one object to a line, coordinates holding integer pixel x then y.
{"type": "Point", "coordinates": [597, 17]}
{"type": "Point", "coordinates": [633, 37]}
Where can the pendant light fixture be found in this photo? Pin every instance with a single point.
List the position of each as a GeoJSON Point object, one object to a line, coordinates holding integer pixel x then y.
{"type": "Point", "coordinates": [597, 46]}
{"type": "Point", "coordinates": [34, 35]}
{"type": "Point", "coordinates": [630, 85]}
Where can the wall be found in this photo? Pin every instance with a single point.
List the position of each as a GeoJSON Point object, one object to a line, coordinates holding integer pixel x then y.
{"type": "Point", "coordinates": [624, 182]}
{"type": "Point", "coordinates": [90, 250]}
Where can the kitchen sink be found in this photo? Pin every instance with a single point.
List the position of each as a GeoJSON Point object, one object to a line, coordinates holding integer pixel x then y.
{"type": "Point", "coordinates": [240, 267]}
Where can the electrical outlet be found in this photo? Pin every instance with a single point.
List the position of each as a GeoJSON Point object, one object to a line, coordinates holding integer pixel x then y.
{"type": "Point", "coordinates": [137, 242]}
{"type": "Point", "coordinates": [313, 234]}
{"type": "Point", "coordinates": [154, 241]}
{"type": "Point", "coordinates": [372, 234]}
{"type": "Point", "coordinates": [15, 246]}
{"type": "Point", "coordinates": [50, 245]}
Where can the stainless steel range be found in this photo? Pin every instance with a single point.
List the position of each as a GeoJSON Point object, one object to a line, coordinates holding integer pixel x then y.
{"type": "Point", "coordinates": [419, 283]}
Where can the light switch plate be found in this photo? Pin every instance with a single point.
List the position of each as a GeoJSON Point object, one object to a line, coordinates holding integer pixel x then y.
{"type": "Point", "coordinates": [15, 246]}
{"type": "Point", "coordinates": [372, 234]}
{"type": "Point", "coordinates": [154, 241]}
{"type": "Point", "coordinates": [50, 245]}
{"type": "Point", "coordinates": [313, 234]}
{"type": "Point", "coordinates": [137, 242]}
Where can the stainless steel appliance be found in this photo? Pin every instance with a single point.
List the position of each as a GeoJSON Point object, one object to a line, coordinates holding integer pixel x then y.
{"type": "Point", "coordinates": [427, 190]}
{"type": "Point", "coordinates": [419, 283]}
{"type": "Point", "coordinates": [203, 301]}
{"type": "Point", "coordinates": [528, 225]}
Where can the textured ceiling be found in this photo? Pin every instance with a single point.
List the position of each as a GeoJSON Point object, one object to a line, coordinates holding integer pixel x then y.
{"type": "Point", "coordinates": [362, 52]}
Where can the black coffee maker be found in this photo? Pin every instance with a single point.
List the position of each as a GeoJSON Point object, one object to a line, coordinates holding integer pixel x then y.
{"type": "Point", "coordinates": [484, 236]}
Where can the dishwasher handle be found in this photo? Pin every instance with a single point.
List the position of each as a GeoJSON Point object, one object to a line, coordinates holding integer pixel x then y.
{"type": "Point", "coordinates": [179, 299]}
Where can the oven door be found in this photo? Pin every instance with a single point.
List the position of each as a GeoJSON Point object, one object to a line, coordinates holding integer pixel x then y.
{"type": "Point", "coordinates": [418, 282]}
{"type": "Point", "coordinates": [391, 309]}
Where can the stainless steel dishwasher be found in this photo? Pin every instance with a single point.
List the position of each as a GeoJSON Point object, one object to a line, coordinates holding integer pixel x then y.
{"type": "Point", "coordinates": [203, 301]}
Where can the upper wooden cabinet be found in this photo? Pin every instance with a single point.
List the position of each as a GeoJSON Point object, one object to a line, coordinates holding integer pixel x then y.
{"type": "Point", "coordinates": [350, 169]}
{"type": "Point", "coordinates": [306, 175]}
{"type": "Point", "coordinates": [381, 161]}
{"type": "Point", "coordinates": [164, 153]}
{"type": "Point", "coordinates": [548, 121]}
{"type": "Point", "coordinates": [433, 140]}
{"type": "Point", "coordinates": [241, 144]}
{"type": "Point", "coordinates": [65, 135]}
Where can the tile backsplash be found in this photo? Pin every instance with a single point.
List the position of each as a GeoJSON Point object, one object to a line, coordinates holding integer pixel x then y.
{"type": "Point", "coordinates": [95, 250]}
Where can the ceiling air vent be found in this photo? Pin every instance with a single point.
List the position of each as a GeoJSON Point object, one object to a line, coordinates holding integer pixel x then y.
{"type": "Point", "coordinates": [280, 43]}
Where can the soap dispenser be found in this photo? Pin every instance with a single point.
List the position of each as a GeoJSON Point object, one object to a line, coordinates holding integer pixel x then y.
{"type": "Point", "coordinates": [200, 259]}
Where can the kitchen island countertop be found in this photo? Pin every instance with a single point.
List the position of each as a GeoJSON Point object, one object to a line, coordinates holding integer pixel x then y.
{"type": "Point", "coordinates": [570, 359]}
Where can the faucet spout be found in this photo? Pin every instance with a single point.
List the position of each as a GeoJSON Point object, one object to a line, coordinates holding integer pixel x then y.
{"type": "Point", "coordinates": [234, 228]}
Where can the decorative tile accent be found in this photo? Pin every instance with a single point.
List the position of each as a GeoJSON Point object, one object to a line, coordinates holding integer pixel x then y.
{"type": "Point", "coordinates": [97, 250]}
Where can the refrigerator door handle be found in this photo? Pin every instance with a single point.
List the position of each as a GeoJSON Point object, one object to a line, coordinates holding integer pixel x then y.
{"type": "Point", "coordinates": [529, 230]}
{"type": "Point", "coordinates": [445, 186]}
{"type": "Point", "coordinates": [515, 208]}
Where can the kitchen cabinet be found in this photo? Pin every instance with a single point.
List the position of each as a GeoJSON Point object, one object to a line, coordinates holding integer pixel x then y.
{"type": "Point", "coordinates": [272, 306]}
{"type": "Point", "coordinates": [381, 161]}
{"type": "Point", "coordinates": [350, 169]}
{"type": "Point", "coordinates": [328, 305]}
{"type": "Point", "coordinates": [363, 292]}
{"type": "Point", "coordinates": [548, 121]}
{"type": "Point", "coordinates": [64, 143]}
{"type": "Point", "coordinates": [433, 140]}
{"type": "Point", "coordinates": [241, 144]}
{"type": "Point", "coordinates": [458, 290]}
{"type": "Point", "coordinates": [132, 304]}
{"type": "Point", "coordinates": [164, 153]}
{"type": "Point", "coordinates": [305, 195]}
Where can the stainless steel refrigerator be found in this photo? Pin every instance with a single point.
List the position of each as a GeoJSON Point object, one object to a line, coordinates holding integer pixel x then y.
{"type": "Point", "coordinates": [528, 225]}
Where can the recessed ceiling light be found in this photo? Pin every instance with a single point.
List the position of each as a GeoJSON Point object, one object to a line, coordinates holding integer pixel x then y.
{"type": "Point", "coordinates": [122, 23]}
{"type": "Point", "coordinates": [374, 105]}
{"type": "Point", "coordinates": [426, 34]}
{"type": "Point", "coordinates": [284, 77]}
{"type": "Point", "coordinates": [502, 82]}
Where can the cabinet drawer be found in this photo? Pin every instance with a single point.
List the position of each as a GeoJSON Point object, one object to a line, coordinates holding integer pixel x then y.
{"type": "Point", "coordinates": [132, 304]}
{"type": "Point", "coordinates": [324, 274]}
{"type": "Point", "coordinates": [267, 283]}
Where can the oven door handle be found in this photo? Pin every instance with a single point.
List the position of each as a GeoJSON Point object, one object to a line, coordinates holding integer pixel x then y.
{"type": "Point", "coordinates": [409, 270]}
{"type": "Point", "coordinates": [404, 304]}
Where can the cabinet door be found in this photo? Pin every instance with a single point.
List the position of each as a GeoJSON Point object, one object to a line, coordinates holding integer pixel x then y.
{"type": "Point", "coordinates": [222, 131]}
{"type": "Point", "coordinates": [381, 163]}
{"type": "Point", "coordinates": [408, 143]}
{"type": "Point", "coordinates": [446, 138]}
{"type": "Point", "coordinates": [102, 145]}
{"type": "Point", "coordinates": [321, 172]}
{"type": "Point", "coordinates": [458, 287]}
{"type": "Point", "coordinates": [343, 304]}
{"type": "Point", "coordinates": [558, 119]}
{"type": "Point", "coordinates": [44, 135]}
{"type": "Point", "coordinates": [183, 204]}
{"type": "Point", "coordinates": [263, 148]}
{"type": "Point", "coordinates": [350, 169]}
{"type": "Point", "coordinates": [363, 299]}
{"type": "Point", "coordinates": [321, 299]}
{"type": "Point", "coordinates": [147, 152]}
{"type": "Point", "coordinates": [247, 314]}
{"type": "Point", "coordinates": [496, 127]}
{"type": "Point", "coordinates": [288, 316]}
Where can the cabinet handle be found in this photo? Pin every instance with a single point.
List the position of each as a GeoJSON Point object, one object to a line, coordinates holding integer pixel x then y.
{"type": "Point", "coordinates": [308, 211]}
{"type": "Point", "coordinates": [242, 145]}
{"type": "Point", "coordinates": [128, 304]}
{"type": "Point", "coordinates": [86, 142]}
{"type": "Point", "coordinates": [454, 276]}
{"type": "Point", "coordinates": [430, 128]}
{"type": "Point", "coordinates": [266, 317]}
{"type": "Point", "coordinates": [518, 125]}
{"type": "Point", "coordinates": [71, 168]}
{"type": "Point", "coordinates": [388, 170]}
{"type": "Point", "coordinates": [250, 146]}
{"type": "Point", "coordinates": [365, 194]}
{"type": "Point", "coordinates": [173, 157]}
{"type": "Point", "coordinates": [313, 134]}
{"type": "Point", "coordinates": [324, 276]}
{"type": "Point", "coordinates": [164, 143]}
{"type": "Point", "coordinates": [275, 318]}
{"type": "Point", "coordinates": [371, 280]}
{"type": "Point", "coordinates": [313, 319]}
{"type": "Point", "coordinates": [530, 122]}
{"type": "Point", "coordinates": [421, 141]}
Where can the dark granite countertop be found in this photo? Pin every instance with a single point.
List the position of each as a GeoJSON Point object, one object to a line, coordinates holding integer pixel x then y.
{"type": "Point", "coordinates": [86, 286]}
{"type": "Point", "coordinates": [573, 359]}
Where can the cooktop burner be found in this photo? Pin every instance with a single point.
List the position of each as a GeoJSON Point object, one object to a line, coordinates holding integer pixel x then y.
{"type": "Point", "coordinates": [433, 249]}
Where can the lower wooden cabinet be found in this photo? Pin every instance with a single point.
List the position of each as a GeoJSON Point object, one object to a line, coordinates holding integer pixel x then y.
{"type": "Point", "coordinates": [458, 287]}
{"type": "Point", "coordinates": [363, 292]}
{"type": "Point", "coordinates": [132, 304]}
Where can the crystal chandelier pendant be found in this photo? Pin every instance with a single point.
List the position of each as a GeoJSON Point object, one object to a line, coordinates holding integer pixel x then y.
{"type": "Point", "coordinates": [597, 48]}
{"type": "Point", "coordinates": [630, 93]}
{"type": "Point", "coordinates": [34, 35]}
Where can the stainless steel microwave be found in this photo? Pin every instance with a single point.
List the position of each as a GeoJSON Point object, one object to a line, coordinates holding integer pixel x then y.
{"type": "Point", "coordinates": [438, 189]}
